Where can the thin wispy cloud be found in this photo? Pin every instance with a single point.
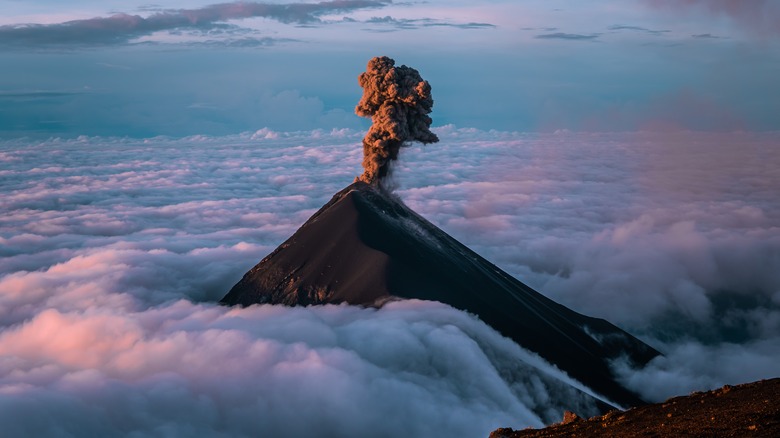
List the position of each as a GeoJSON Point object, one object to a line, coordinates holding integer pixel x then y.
{"type": "Point", "coordinates": [38, 94]}
{"type": "Point", "coordinates": [242, 42]}
{"type": "Point", "coordinates": [568, 36]}
{"type": "Point", "coordinates": [638, 29]}
{"type": "Point", "coordinates": [122, 28]}
{"type": "Point", "coordinates": [416, 23]}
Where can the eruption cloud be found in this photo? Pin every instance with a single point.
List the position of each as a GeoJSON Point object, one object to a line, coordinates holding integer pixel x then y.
{"type": "Point", "coordinates": [398, 101]}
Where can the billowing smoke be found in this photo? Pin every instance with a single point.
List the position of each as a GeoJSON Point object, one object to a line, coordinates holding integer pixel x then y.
{"type": "Point", "coordinates": [398, 101]}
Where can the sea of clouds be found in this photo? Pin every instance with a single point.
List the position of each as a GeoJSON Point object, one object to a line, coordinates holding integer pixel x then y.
{"type": "Point", "coordinates": [113, 253]}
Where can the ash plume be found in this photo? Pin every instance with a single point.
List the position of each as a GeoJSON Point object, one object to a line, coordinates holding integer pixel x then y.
{"type": "Point", "coordinates": [398, 101]}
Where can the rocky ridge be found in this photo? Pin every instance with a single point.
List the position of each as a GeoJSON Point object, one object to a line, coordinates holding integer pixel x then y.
{"type": "Point", "coordinates": [747, 410]}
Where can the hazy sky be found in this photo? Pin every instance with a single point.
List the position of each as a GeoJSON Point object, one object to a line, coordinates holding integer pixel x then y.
{"type": "Point", "coordinates": [130, 68]}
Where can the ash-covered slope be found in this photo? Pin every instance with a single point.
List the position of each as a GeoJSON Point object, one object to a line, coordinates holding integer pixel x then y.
{"type": "Point", "coordinates": [365, 247]}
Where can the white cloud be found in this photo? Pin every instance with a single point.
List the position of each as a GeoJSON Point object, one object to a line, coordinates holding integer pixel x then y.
{"type": "Point", "coordinates": [332, 371]}
{"type": "Point", "coordinates": [112, 250]}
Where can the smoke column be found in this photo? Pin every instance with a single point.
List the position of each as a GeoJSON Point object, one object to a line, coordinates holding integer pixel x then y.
{"type": "Point", "coordinates": [398, 101]}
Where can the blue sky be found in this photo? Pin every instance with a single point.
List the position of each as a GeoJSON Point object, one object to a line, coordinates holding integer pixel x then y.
{"type": "Point", "coordinates": [180, 68]}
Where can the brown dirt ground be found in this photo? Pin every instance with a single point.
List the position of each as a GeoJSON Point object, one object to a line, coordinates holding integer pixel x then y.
{"type": "Point", "coordinates": [748, 410]}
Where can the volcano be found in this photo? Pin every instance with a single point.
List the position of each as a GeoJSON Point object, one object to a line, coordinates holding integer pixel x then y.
{"type": "Point", "coordinates": [365, 247]}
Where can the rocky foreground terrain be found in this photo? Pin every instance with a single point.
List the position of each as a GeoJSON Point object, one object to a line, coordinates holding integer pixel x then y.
{"type": "Point", "coordinates": [748, 410]}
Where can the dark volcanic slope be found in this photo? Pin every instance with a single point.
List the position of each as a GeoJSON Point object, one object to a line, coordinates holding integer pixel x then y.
{"type": "Point", "coordinates": [749, 410]}
{"type": "Point", "coordinates": [365, 246]}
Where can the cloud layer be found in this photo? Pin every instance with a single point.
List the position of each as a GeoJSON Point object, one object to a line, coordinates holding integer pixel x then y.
{"type": "Point", "coordinates": [114, 251]}
{"type": "Point", "coordinates": [202, 370]}
{"type": "Point", "coordinates": [669, 235]}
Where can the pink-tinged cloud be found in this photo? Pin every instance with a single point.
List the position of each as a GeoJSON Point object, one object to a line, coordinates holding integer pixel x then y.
{"type": "Point", "coordinates": [760, 17]}
{"type": "Point", "coordinates": [273, 371]}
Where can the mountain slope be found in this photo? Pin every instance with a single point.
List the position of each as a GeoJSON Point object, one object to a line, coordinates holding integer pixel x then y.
{"type": "Point", "coordinates": [365, 247]}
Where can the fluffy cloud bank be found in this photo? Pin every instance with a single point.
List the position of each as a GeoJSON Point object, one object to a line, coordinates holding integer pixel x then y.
{"type": "Point", "coordinates": [114, 251]}
{"type": "Point", "coordinates": [671, 236]}
{"type": "Point", "coordinates": [410, 369]}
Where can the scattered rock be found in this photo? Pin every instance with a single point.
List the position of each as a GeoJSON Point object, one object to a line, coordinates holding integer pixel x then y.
{"type": "Point", "coordinates": [570, 417]}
